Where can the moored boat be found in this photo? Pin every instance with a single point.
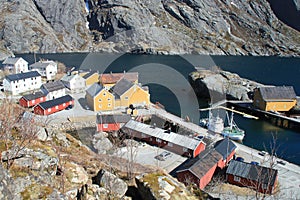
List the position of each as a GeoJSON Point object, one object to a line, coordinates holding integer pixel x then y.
{"type": "Point", "coordinates": [233, 131]}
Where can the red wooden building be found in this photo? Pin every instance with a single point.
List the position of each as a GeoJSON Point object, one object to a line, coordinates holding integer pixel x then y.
{"type": "Point", "coordinates": [111, 122]}
{"type": "Point", "coordinates": [200, 170]}
{"type": "Point", "coordinates": [54, 105]}
{"type": "Point", "coordinates": [259, 178]}
{"type": "Point", "coordinates": [168, 140]}
{"type": "Point", "coordinates": [31, 100]}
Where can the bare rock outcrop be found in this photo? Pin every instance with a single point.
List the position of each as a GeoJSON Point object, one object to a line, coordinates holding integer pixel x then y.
{"type": "Point", "coordinates": [111, 182]}
{"type": "Point", "coordinates": [219, 27]}
{"type": "Point", "coordinates": [191, 26]}
{"type": "Point", "coordinates": [207, 83]}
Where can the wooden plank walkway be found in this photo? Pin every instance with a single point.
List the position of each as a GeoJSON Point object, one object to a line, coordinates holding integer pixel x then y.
{"type": "Point", "coordinates": [184, 124]}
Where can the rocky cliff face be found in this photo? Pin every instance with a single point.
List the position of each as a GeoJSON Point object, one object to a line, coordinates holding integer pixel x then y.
{"type": "Point", "coordinates": [42, 26]}
{"type": "Point", "coordinates": [188, 26]}
{"type": "Point", "coordinates": [228, 27]}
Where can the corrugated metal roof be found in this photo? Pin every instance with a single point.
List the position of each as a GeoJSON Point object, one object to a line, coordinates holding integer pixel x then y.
{"type": "Point", "coordinates": [12, 61]}
{"type": "Point", "coordinates": [33, 96]}
{"type": "Point", "coordinates": [53, 86]}
{"type": "Point", "coordinates": [25, 75]}
{"type": "Point", "coordinates": [201, 164]}
{"type": "Point", "coordinates": [111, 78]}
{"type": "Point", "coordinates": [174, 138]}
{"type": "Point", "coordinates": [94, 89]}
{"type": "Point", "coordinates": [55, 102]}
{"type": "Point", "coordinates": [277, 93]}
{"type": "Point", "coordinates": [225, 147]}
{"type": "Point", "coordinates": [252, 172]}
{"type": "Point", "coordinates": [121, 87]}
{"type": "Point", "coordinates": [113, 118]}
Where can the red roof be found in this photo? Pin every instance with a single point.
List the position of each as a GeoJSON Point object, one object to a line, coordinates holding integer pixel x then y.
{"type": "Point", "coordinates": [115, 77]}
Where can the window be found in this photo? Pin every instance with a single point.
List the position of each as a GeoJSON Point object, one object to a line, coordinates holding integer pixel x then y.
{"type": "Point", "coordinates": [100, 105]}
{"type": "Point", "coordinates": [126, 98]}
{"type": "Point", "coordinates": [108, 99]}
{"type": "Point", "coordinates": [185, 149]}
{"type": "Point", "coordinates": [64, 104]}
{"type": "Point", "coordinates": [104, 93]}
{"type": "Point", "coordinates": [236, 179]}
{"type": "Point", "coordinates": [158, 140]}
{"type": "Point", "coordinates": [49, 109]}
{"type": "Point", "coordinates": [33, 101]}
{"type": "Point", "coordinates": [100, 100]}
{"type": "Point", "coordinates": [109, 105]}
{"type": "Point", "coordinates": [105, 125]}
{"type": "Point", "coordinates": [264, 186]}
{"type": "Point", "coordinates": [143, 135]}
{"type": "Point", "coordinates": [56, 107]}
{"type": "Point", "coordinates": [170, 144]}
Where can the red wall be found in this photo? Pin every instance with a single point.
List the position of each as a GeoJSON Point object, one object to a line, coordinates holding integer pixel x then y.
{"type": "Point", "coordinates": [223, 163]}
{"type": "Point", "coordinates": [250, 184]}
{"type": "Point", "coordinates": [110, 127]}
{"type": "Point", "coordinates": [24, 103]}
{"type": "Point", "coordinates": [187, 177]}
{"type": "Point", "coordinates": [198, 149]}
{"type": "Point", "coordinates": [40, 111]}
{"type": "Point", "coordinates": [207, 177]}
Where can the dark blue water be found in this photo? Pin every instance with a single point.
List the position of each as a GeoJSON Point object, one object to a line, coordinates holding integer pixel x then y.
{"type": "Point", "coordinates": [267, 70]}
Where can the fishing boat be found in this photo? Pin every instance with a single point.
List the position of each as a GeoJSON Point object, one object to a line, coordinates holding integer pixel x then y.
{"type": "Point", "coordinates": [232, 131]}
{"type": "Point", "coordinates": [216, 124]}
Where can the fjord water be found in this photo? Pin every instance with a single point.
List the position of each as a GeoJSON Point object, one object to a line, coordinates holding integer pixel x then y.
{"type": "Point", "coordinates": [266, 70]}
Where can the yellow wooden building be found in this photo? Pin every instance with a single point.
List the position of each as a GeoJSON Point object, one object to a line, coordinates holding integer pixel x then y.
{"type": "Point", "coordinates": [280, 98]}
{"type": "Point", "coordinates": [99, 99]}
{"type": "Point", "coordinates": [127, 93]}
{"type": "Point", "coordinates": [121, 95]}
{"type": "Point", "coordinates": [90, 77]}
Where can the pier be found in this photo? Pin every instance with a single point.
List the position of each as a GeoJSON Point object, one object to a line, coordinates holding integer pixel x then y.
{"type": "Point", "coordinates": [189, 126]}
{"type": "Point", "coordinates": [275, 118]}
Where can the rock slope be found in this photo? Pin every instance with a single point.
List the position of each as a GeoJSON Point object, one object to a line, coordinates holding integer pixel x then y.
{"type": "Point", "coordinates": [227, 27]}
{"type": "Point", "coordinates": [212, 84]}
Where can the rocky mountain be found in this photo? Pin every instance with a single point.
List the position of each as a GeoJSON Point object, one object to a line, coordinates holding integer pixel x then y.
{"type": "Point", "coordinates": [229, 27]}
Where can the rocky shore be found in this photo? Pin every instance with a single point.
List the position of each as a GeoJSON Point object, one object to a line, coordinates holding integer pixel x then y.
{"type": "Point", "coordinates": [222, 84]}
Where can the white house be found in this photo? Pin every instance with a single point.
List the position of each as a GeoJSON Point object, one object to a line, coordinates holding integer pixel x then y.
{"type": "Point", "coordinates": [53, 90]}
{"type": "Point", "coordinates": [74, 82]}
{"type": "Point", "coordinates": [22, 82]}
{"type": "Point", "coordinates": [15, 65]}
{"type": "Point", "coordinates": [47, 68]}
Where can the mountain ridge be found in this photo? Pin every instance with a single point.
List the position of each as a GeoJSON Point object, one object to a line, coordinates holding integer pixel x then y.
{"type": "Point", "coordinates": [218, 27]}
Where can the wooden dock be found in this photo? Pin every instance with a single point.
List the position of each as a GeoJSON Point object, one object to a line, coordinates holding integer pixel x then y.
{"type": "Point", "coordinates": [184, 124]}
{"type": "Point", "coordinates": [276, 119]}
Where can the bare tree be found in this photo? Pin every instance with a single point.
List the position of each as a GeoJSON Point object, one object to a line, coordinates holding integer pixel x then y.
{"type": "Point", "coordinates": [16, 131]}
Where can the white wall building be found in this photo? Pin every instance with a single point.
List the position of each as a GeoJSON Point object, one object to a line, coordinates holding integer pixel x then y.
{"type": "Point", "coordinates": [15, 65]}
{"type": "Point", "coordinates": [74, 82]}
{"type": "Point", "coordinates": [53, 90]}
{"type": "Point", "coordinates": [47, 68]}
{"type": "Point", "coordinates": [22, 82]}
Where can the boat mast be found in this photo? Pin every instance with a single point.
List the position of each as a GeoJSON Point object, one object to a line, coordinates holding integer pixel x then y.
{"type": "Point", "coordinates": [231, 121]}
